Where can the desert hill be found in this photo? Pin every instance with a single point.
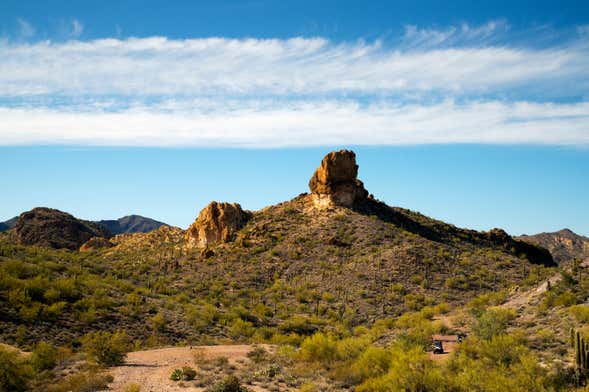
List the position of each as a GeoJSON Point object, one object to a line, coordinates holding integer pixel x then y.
{"type": "Point", "coordinates": [330, 277]}
{"type": "Point", "coordinates": [55, 229]}
{"type": "Point", "coordinates": [565, 245]}
{"type": "Point", "coordinates": [334, 255]}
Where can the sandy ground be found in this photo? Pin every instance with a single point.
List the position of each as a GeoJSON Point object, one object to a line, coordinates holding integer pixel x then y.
{"type": "Point", "coordinates": [151, 369]}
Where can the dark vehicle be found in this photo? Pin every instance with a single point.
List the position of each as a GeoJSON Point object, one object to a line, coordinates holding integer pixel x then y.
{"type": "Point", "coordinates": [437, 346]}
{"type": "Point", "coordinates": [461, 337]}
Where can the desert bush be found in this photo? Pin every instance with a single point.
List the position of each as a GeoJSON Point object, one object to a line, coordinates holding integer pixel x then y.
{"type": "Point", "coordinates": [501, 363]}
{"type": "Point", "coordinates": [15, 374]}
{"type": "Point", "coordinates": [229, 384]}
{"type": "Point", "coordinates": [478, 305]}
{"type": "Point", "coordinates": [106, 348]}
{"type": "Point", "coordinates": [258, 354]}
{"type": "Point", "coordinates": [580, 312]}
{"type": "Point", "coordinates": [240, 329]}
{"type": "Point", "coordinates": [158, 322]}
{"type": "Point", "coordinates": [493, 322]}
{"type": "Point", "coordinates": [88, 381]}
{"type": "Point", "coordinates": [188, 373]}
{"type": "Point", "coordinates": [44, 357]}
{"type": "Point", "coordinates": [133, 388]}
{"type": "Point", "coordinates": [318, 348]}
{"type": "Point", "coordinates": [374, 362]}
{"type": "Point", "coordinates": [409, 370]}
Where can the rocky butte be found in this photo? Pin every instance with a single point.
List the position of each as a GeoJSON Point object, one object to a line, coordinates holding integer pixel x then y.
{"type": "Point", "coordinates": [335, 182]}
{"type": "Point", "coordinates": [216, 223]}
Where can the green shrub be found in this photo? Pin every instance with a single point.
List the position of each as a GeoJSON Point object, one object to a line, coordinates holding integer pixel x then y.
{"type": "Point", "coordinates": [240, 329]}
{"type": "Point", "coordinates": [493, 322]}
{"type": "Point", "coordinates": [133, 388]}
{"type": "Point", "coordinates": [188, 373]}
{"type": "Point", "coordinates": [318, 348]}
{"type": "Point", "coordinates": [44, 357]}
{"type": "Point", "coordinates": [374, 362]}
{"type": "Point", "coordinates": [229, 384]}
{"type": "Point", "coordinates": [14, 372]}
{"type": "Point", "coordinates": [106, 348]}
{"type": "Point", "coordinates": [258, 354]}
{"type": "Point", "coordinates": [89, 381]}
{"type": "Point", "coordinates": [158, 322]}
{"type": "Point", "coordinates": [409, 370]}
{"type": "Point", "coordinates": [580, 312]}
{"type": "Point", "coordinates": [176, 375]}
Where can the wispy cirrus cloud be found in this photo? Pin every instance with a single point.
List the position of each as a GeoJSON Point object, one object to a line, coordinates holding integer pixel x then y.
{"type": "Point", "coordinates": [267, 124]}
{"type": "Point", "coordinates": [153, 66]}
{"type": "Point", "coordinates": [455, 85]}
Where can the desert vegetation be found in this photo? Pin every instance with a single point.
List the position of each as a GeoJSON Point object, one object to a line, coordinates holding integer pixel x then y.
{"type": "Point", "coordinates": [347, 300]}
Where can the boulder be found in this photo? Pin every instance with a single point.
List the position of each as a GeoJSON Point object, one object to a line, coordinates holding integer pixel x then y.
{"type": "Point", "coordinates": [335, 182]}
{"type": "Point", "coordinates": [216, 223]}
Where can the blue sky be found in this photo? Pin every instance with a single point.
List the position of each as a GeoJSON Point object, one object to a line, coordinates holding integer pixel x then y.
{"type": "Point", "coordinates": [472, 112]}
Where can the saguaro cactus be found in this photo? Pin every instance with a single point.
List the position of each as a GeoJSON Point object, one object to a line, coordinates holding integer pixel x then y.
{"type": "Point", "coordinates": [581, 353]}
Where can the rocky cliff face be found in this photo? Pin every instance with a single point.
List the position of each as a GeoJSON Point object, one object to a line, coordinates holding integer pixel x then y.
{"type": "Point", "coordinates": [55, 229]}
{"type": "Point", "coordinates": [565, 245]}
{"type": "Point", "coordinates": [216, 223]}
{"type": "Point", "coordinates": [335, 182]}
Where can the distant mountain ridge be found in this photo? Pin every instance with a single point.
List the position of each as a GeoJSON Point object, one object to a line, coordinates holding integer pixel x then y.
{"type": "Point", "coordinates": [131, 224]}
{"type": "Point", "coordinates": [9, 224]}
{"type": "Point", "coordinates": [565, 245]}
{"type": "Point", "coordinates": [126, 225]}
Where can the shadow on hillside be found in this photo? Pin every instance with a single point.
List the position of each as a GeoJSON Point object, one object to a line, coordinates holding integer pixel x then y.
{"type": "Point", "coordinates": [441, 232]}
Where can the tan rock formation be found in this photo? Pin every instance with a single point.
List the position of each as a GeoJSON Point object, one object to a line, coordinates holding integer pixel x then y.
{"type": "Point", "coordinates": [96, 243]}
{"type": "Point", "coordinates": [335, 182]}
{"type": "Point", "coordinates": [217, 222]}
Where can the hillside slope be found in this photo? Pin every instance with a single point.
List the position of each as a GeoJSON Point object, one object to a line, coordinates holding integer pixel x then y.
{"type": "Point", "coordinates": [294, 268]}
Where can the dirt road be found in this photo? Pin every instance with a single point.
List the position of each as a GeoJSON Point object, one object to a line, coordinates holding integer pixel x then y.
{"type": "Point", "coordinates": [151, 369]}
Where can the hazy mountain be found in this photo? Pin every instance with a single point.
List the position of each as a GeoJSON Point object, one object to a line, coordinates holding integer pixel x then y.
{"type": "Point", "coordinates": [9, 224]}
{"type": "Point", "coordinates": [131, 224]}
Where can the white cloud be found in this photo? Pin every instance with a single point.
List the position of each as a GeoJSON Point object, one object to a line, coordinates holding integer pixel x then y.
{"type": "Point", "coordinates": [197, 67]}
{"type": "Point", "coordinates": [456, 85]}
{"type": "Point", "coordinates": [25, 29]}
{"type": "Point", "coordinates": [268, 124]}
{"type": "Point", "coordinates": [462, 35]}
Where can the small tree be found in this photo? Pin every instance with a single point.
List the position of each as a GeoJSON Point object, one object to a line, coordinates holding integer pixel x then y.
{"type": "Point", "coordinates": [106, 348]}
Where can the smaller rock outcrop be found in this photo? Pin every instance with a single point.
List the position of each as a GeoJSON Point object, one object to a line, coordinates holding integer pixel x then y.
{"type": "Point", "coordinates": [216, 223]}
{"type": "Point", "coordinates": [55, 229]}
{"type": "Point", "coordinates": [335, 182]}
{"type": "Point", "coordinates": [96, 243]}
